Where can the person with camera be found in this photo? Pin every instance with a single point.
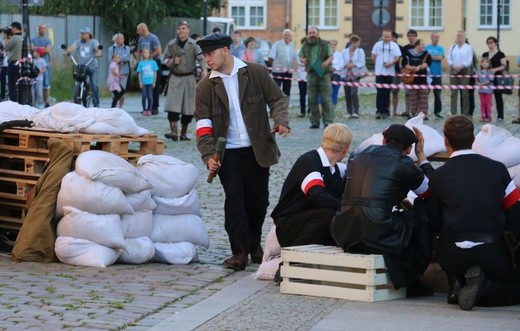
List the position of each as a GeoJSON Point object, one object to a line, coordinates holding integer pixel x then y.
{"type": "Point", "coordinates": [88, 48]}
{"type": "Point", "coordinates": [13, 49]}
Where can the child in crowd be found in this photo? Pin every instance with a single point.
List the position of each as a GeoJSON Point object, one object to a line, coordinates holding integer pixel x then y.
{"type": "Point", "coordinates": [147, 74]}
{"type": "Point", "coordinates": [485, 78]}
{"type": "Point", "coordinates": [114, 78]}
{"type": "Point", "coordinates": [41, 64]}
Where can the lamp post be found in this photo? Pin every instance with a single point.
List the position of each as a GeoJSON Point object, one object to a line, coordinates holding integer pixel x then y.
{"type": "Point", "coordinates": [499, 19]}
{"type": "Point", "coordinates": [205, 21]}
{"type": "Point", "coordinates": [25, 82]}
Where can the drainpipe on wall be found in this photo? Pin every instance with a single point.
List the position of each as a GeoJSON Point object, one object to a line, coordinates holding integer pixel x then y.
{"type": "Point", "coordinates": [287, 13]}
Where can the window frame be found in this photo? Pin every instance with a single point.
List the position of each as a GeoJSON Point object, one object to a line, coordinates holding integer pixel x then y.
{"type": "Point", "coordinates": [248, 4]}
{"type": "Point", "coordinates": [426, 10]}
{"type": "Point", "coordinates": [494, 16]}
{"type": "Point", "coordinates": [322, 18]}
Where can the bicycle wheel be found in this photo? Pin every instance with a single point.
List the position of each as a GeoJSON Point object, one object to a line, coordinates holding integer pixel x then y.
{"type": "Point", "coordinates": [87, 95]}
{"type": "Point", "coordinates": [76, 96]}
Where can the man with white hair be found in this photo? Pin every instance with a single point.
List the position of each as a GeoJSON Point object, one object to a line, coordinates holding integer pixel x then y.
{"type": "Point", "coordinates": [283, 60]}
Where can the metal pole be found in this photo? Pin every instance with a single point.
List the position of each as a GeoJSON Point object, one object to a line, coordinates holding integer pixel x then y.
{"type": "Point", "coordinates": [306, 16]}
{"type": "Point", "coordinates": [25, 82]}
{"type": "Point", "coordinates": [205, 21]}
{"type": "Point", "coordinates": [499, 19]}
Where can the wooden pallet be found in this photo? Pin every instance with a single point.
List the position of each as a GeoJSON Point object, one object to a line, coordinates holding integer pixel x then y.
{"type": "Point", "coordinates": [327, 271]}
{"type": "Point", "coordinates": [33, 141]}
{"type": "Point", "coordinates": [24, 154]}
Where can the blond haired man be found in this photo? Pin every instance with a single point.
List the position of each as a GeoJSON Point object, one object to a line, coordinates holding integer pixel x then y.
{"type": "Point", "coordinates": [311, 193]}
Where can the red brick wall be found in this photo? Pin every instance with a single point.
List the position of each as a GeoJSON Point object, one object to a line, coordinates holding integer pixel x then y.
{"type": "Point", "coordinates": [276, 12]}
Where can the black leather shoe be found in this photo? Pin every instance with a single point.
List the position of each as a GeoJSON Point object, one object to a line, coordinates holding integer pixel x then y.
{"type": "Point", "coordinates": [418, 289]}
{"type": "Point", "coordinates": [472, 292]}
{"type": "Point", "coordinates": [257, 255]}
{"type": "Point", "coordinates": [438, 115]}
{"type": "Point", "coordinates": [237, 262]}
{"type": "Point", "coordinates": [314, 126]}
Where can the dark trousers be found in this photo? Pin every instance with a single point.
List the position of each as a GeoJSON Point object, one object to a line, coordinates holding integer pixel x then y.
{"type": "Point", "coordinates": [245, 184]}
{"type": "Point", "coordinates": [503, 286]}
{"type": "Point", "coordinates": [174, 117]}
{"type": "Point", "coordinates": [383, 94]}
{"type": "Point", "coordinates": [302, 86]}
{"type": "Point", "coordinates": [499, 103]}
{"type": "Point", "coordinates": [12, 78]}
{"type": "Point", "coordinates": [437, 106]}
{"type": "Point", "coordinates": [309, 227]}
{"type": "Point", "coordinates": [284, 82]}
{"type": "Point", "coordinates": [3, 82]}
{"type": "Point", "coordinates": [157, 89]}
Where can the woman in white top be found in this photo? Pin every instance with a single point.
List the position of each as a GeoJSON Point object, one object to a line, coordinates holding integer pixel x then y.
{"type": "Point", "coordinates": [354, 59]}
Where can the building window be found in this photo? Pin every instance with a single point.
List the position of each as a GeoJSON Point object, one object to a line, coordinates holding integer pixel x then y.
{"type": "Point", "coordinates": [489, 13]}
{"type": "Point", "coordinates": [323, 13]}
{"type": "Point", "coordinates": [426, 14]}
{"type": "Point", "coordinates": [250, 15]}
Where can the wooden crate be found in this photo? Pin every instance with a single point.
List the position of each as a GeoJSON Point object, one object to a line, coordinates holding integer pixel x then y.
{"type": "Point", "coordinates": [327, 271]}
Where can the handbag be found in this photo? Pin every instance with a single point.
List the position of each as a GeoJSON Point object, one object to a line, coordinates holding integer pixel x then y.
{"type": "Point", "coordinates": [360, 72]}
{"type": "Point", "coordinates": [505, 80]}
{"type": "Point", "coordinates": [408, 74]}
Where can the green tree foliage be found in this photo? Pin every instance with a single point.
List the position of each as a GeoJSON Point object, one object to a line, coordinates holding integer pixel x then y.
{"type": "Point", "coordinates": [124, 15]}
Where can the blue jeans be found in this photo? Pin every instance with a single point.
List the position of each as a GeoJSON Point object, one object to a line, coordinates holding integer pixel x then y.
{"type": "Point", "coordinates": [93, 75]}
{"type": "Point", "coordinates": [38, 94]}
{"type": "Point", "coordinates": [147, 98]}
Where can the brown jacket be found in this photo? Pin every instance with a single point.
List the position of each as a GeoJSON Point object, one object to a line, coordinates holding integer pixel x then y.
{"type": "Point", "coordinates": [256, 91]}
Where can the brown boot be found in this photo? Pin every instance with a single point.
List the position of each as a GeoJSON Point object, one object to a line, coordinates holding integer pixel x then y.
{"type": "Point", "coordinates": [173, 133]}
{"type": "Point", "coordinates": [184, 128]}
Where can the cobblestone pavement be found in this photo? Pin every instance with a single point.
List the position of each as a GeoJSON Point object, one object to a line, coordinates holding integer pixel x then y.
{"type": "Point", "coordinates": [57, 296]}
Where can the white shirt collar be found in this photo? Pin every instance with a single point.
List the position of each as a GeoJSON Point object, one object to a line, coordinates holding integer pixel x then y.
{"type": "Point", "coordinates": [237, 64]}
{"type": "Point", "coordinates": [462, 152]}
{"type": "Point", "coordinates": [325, 160]}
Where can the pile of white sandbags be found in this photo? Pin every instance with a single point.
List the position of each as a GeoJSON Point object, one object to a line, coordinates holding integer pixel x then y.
{"type": "Point", "coordinates": [107, 211]}
{"type": "Point", "coordinates": [272, 257]}
{"type": "Point", "coordinates": [433, 140]}
{"type": "Point", "coordinates": [71, 117]}
{"type": "Point", "coordinates": [499, 144]}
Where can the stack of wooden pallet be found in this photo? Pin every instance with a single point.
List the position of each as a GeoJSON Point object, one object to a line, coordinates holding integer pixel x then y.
{"type": "Point", "coordinates": [24, 152]}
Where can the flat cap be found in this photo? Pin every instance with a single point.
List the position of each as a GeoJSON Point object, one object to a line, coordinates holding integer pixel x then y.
{"type": "Point", "coordinates": [401, 134]}
{"type": "Point", "coordinates": [214, 41]}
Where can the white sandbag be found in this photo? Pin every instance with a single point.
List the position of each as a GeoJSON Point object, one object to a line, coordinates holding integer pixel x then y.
{"type": "Point", "coordinates": [498, 144]}
{"type": "Point", "coordinates": [138, 250]}
{"type": "Point", "coordinates": [433, 140]}
{"type": "Point", "coordinates": [514, 172]}
{"type": "Point", "coordinates": [13, 111]}
{"type": "Point", "coordinates": [179, 228]}
{"type": "Point", "coordinates": [267, 269]}
{"type": "Point", "coordinates": [272, 246]}
{"type": "Point", "coordinates": [101, 229]}
{"type": "Point", "coordinates": [170, 177]}
{"type": "Point", "coordinates": [187, 204]}
{"type": "Point", "coordinates": [111, 170]}
{"type": "Point", "coordinates": [63, 117]}
{"type": "Point", "coordinates": [94, 197]}
{"type": "Point", "coordinates": [85, 253]}
{"type": "Point", "coordinates": [174, 253]}
{"type": "Point", "coordinates": [141, 201]}
{"type": "Point", "coordinates": [112, 121]}
{"type": "Point", "coordinates": [139, 224]}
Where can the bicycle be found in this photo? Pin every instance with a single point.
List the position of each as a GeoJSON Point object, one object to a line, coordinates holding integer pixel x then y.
{"type": "Point", "coordinates": [82, 94]}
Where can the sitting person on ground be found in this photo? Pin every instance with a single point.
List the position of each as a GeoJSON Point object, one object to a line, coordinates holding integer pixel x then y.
{"type": "Point", "coordinates": [372, 218]}
{"type": "Point", "coordinates": [311, 193]}
{"type": "Point", "coordinates": [473, 200]}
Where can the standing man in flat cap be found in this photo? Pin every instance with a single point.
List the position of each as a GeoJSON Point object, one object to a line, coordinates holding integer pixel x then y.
{"type": "Point", "coordinates": [231, 102]}
{"type": "Point", "coordinates": [181, 56]}
{"type": "Point", "coordinates": [372, 219]}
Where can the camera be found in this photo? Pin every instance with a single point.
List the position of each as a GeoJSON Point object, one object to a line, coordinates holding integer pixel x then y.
{"type": "Point", "coordinates": [7, 30]}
